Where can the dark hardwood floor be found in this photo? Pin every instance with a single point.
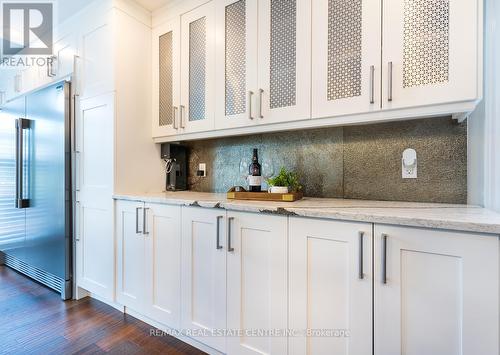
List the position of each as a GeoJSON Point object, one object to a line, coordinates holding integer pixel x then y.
{"type": "Point", "coordinates": [34, 320]}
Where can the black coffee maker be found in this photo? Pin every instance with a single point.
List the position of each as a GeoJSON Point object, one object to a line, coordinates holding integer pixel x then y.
{"type": "Point", "coordinates": [175, 157]}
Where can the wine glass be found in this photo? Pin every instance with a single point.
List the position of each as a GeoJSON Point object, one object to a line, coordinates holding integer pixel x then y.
{"type": "Point", "coordinates": [244, 166]}
{"type": "Point", "coordinates": [267, 170]}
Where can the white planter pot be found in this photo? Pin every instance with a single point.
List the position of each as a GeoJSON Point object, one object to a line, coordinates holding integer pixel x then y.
{"type": "Point", "coordinates": [278, 190]}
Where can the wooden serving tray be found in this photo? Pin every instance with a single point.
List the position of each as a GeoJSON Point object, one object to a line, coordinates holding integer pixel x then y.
{"type": "Point", "coordinates": [265, 196]}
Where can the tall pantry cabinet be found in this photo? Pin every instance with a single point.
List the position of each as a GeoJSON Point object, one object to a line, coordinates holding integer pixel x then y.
{"type": "Point", "coordinates": [112, 104]}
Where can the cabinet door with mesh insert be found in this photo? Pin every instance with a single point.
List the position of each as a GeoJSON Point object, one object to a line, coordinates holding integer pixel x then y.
{"type": "Point", "coordinates": [284, 60]}
{"type": "Point", "coordinates": [236, 63]}
{"type": "Point", "coordinates": [430, 52]}
{"type": "Point", "coordinates": [197, 69]}
{"type": "Point", "coordinates": [345, 57]}
{"type": "Point", "coordinates": [166, 79]}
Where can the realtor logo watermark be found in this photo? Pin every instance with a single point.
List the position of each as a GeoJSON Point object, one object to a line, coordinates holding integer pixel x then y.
{"type": "Point", "coordinates": [27, 32]}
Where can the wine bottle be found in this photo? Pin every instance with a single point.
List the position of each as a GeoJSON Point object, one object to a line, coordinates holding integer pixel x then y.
{"type": "Point", "coordinates": [255, 174]}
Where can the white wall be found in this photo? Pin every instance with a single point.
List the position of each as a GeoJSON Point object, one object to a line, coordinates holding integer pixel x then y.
{"type": "Point", "coordinates": [492, 102]}
{"type": "Point", "coordinates": [484, 124]}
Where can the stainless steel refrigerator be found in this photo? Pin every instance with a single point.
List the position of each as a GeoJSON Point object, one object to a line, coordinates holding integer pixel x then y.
{"type": "Point", "coordinates": [35, 187]}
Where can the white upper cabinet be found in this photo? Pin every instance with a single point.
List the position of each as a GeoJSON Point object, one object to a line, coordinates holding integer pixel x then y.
{"type": "Point", "coordinates": [284, 92]}
{"type": "Point", "coordinates": [236, 63]}
{"type": "Point", "coordinates": [263, 62]}
{"type": "Point", "coordinates": [432, 47]}
{"type": "Point", "coordinates": [65, 50]}
{"type": "Point", "coordinates": [166, 78]}
{"type": "Point", "coordinates": [95, 71]}
{"type": "Point", "coordinates": [345, 57]}
{"type": "Point", "coordinates": [436, 292]}
{"type": "Point", "coordinates": [197, 110]}
{"type": "Point", "coordinates": [277, 65]}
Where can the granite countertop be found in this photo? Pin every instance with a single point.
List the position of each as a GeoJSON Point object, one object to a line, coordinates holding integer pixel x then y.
{"type": "Point", "coordinates": [442, 216]}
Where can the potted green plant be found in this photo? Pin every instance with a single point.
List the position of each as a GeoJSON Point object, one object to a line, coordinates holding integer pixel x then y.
{"type": "Point", "coordinates": [284, 182]}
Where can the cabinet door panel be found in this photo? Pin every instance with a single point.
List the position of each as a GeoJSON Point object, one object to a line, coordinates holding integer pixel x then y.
{"type": "Point", "coordinates": [130, 256]}
{"type": "Point", "coordinates": [326, 291]}
{"type": "Point", "coordinates": [257, 282]}
{"type": "Point", "coordinates": [440, 295]}
{"type": "Point", "coordinates": [163, 268]}
{"type": "Point", "coordinates": [198, 69]}
{"type": "Point", "coordinates": [94, 189]}
{"type": "Point", "coordinates": [204, 274]}
{"type": "Point", "coordinates": [433, 48]}
{"type": "Point", "coordinates": [345, 57]}
{"type": "Point", "coordinates": [236, 63]}
{"type": "Point", "coordinates": [166, 79]}
{"type": "Point", "coordinates": [284, 60]}
{"type": "Point", "coordinates": [96, 73]}
{"type": "Point", "coordinates": [65, 50]}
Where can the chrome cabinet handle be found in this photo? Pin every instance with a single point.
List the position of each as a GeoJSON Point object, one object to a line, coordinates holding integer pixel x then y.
{"type": "Point", "coordinates": [77, 172]}
{"type": "Point", "coordinates": [390, 81]}
{"type": "Point", "coordinates": [174, 113]}
{"type": "Point", "coordinates": [261, 92]}
{"type": "Point", "coordinates": [76, 80]}
{"type": "Point", "coordinates": [183, 108]}
{"type": "Point", "coordinates": [77, 221]}
{"type": "Point", "coordinates": [144, 221]}
{"type": "Point", "coordinates": [137, 231]}
{"type": "Point", "coordinates": [250, 95]}
{"type": "Point", "coordinates": [17, 83]}
{"type": "Point", "coordinates": [384, 258]}
{"type": "Point", "coordinates": [229, 247]}
{"type": "Point", "coordinates": [361, 245]}
{"type": "Point", "coordinates": [372, 84]}
{"type": "Point", "coordinates": [50, 66]}
{"type": "Point", "coordinates": [217, 242]}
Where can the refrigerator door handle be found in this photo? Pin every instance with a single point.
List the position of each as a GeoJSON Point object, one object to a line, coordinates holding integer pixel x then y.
{"type": "Point", "coordinates": [21, 125]}
{"type": "Point", "coordinates": [17, 163]}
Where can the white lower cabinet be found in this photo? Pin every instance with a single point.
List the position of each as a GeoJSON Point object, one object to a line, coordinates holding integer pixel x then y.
{"type": "Point", "coordinates": [163, 264]}
{"type": "Point", "coordinates": [256, 283]}
{"type": "Point", "coordinates": [130, 255]}
{"type": "Point", "coordinates": [330, 270]}
{"type": "Point", "coordinates": [148, 260]}
{"type": "Point", "coordinates": [436, 292]}
{"type": "Point", "coordinates": [335, 287]}
{"type": "Point", "coordinates": [204, 275]}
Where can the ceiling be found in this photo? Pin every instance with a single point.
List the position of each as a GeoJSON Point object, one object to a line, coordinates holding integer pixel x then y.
{"type": "Point", "coordinates": [67, 8]}
{"type": "Point", "coordinates": [152, 5]}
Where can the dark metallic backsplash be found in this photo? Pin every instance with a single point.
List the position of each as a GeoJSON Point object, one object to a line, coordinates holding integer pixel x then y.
{"type": "Point", "coordinates": [360, 162]}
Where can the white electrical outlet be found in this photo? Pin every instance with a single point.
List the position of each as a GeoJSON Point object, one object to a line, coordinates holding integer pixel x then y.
{"type": "Point", "coordinates": [409, 164]}
{"type": "Point", "coordinates": [203, 168]}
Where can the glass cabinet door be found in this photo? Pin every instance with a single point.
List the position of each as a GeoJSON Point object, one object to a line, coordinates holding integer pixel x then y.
{"type": "Point", "coordinates": [345, 57]}
{"type": "Point", "coordinates": [236, 63]}
{"type": "Point", "coordinates": [284, 92]}
{"type": "Point", "coordinates": [424, 61]}
{"type": "Point", "coordinates": [197, 69]}
{"type": "Point", "coordinates": [166, 79]}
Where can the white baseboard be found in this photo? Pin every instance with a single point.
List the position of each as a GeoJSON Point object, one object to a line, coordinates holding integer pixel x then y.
{"type": "Point", "coordinates": [166, 329]}
{"type": "Point", "coordinates": [82, 293]}
{"type": "Point", "coordinates": [115, 305]}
